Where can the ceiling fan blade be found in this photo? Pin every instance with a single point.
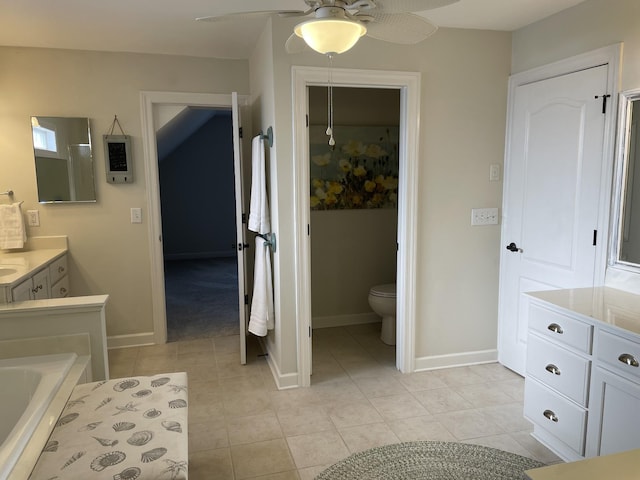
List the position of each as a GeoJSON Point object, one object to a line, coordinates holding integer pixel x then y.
{"type": "Point", "coordinates": [295, 44]}
{"type": "Point", "coordinates": [404, 28]}
{"type": "Point", "coordinates": [405, 6]}
{"type": "Point", "coordinates": [239, 15]}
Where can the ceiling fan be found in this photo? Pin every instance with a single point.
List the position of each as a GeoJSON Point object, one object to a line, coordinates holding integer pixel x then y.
{"type": "Point", "coordinates": [337, 25]}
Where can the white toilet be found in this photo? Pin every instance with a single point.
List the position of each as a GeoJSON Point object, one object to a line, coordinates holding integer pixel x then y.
{"type": "Point", "coordinates": [382, 300]}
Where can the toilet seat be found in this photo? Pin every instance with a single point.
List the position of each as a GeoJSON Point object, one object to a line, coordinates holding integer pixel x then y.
{"type": "Point", "coordinates": [388, 290]}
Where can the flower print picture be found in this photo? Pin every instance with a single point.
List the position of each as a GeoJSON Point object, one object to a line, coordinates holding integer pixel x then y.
{"type": "Point", "coordinates": [361, 171]}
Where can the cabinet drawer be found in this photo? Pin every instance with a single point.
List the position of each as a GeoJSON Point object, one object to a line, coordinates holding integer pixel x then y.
{"type": "Point", "coordinates": [558, 368]}
{"type": "Point", "coordinates": [61, 288]}
{"type": "Point", "coordinates": [560, 417]}
{"type": "Point", "coordinates": [58, 269]}
{"type": "Point", "coordinates": [620, 353]}
{"type": "Point", "coordinates": [561, 328]}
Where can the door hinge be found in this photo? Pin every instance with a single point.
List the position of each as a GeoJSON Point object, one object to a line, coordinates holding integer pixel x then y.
{"type": "Point", "coordinates": [309, 331]}
{"type": "Point", "coordinates": [244, 218]}
{"type": "Point", "coordinates": [307, 119]}
{"type": "Point", "coordinates": [595, 237]}
{"type": "Point", "coordinates": [246, 299]}
{"type": "Point", "coordinates": [308, 230]}
{"type": "Point", "coordinates": [604, 101]}
{"type": "Point", "coordinates": [240, 130]}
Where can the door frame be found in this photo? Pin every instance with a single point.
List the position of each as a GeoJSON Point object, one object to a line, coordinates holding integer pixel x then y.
{"type": "Point", "coordinates": [409, 85]}
{"type": "Point", "coordinates": [154, 225]}
{"type": "Point", "coordinates": [611, 56]}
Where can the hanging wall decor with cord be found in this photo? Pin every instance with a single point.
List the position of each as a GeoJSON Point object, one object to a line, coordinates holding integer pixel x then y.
{"type": "Point", "coordinates": [117, 153]}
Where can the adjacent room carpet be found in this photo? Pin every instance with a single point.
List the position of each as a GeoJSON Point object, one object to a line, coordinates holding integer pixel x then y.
{"type": "Point", "coordinates": [201, 298]}
{"type": "Point", "coordinates": [431, 461]}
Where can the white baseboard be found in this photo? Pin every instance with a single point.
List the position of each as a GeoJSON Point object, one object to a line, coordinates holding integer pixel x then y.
{"type": "Point", "coordinates": [131, 340]}
{"type": "Point", "coordinates": [197, 255]}
{"type": "Point", "coordinates": [455, 360]}
{"type": "Point", "coordinates": [343, 320]}
{"type": "Point", "coordinates": [283, 382]}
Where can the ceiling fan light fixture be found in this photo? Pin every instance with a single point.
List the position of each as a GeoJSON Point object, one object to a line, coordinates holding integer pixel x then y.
{"type": "Point", "coordinates": [330, 35]}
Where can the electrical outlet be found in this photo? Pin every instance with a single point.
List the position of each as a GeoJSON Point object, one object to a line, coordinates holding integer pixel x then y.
{"type": "Point", "coordinates": [136, 215]}
{"type": "Point", "coordinates": [484, 216]}
{"type": "Point", "coordinates": [33, 218]}
{"type": "Point", "coordinates": [494, 172]}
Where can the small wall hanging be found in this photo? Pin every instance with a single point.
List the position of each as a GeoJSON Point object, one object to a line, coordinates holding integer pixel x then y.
{"type": "Point", "coordinates": [117, 153]}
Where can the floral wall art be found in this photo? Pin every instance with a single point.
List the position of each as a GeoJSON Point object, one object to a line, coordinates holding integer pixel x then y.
{"type": "Point", "coordinates": [360, 171]}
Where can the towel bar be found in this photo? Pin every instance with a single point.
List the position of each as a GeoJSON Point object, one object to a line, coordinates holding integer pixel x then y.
{"type": "Point", "coordinates": [268, 136]}
{"type": "Point", "coordinates": [8, 193]}
{"type": "Point", "coordinates": [269, 240]}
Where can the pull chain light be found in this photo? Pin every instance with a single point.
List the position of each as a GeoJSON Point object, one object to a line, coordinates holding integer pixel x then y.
{"type": "Point", "coordinates": [329, 131]}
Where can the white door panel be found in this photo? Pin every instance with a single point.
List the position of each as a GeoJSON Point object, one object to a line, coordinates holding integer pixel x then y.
{"type": "Point", "coordinates": [551, 200]}
{"type": "Point", "coordinates": [240, 230]}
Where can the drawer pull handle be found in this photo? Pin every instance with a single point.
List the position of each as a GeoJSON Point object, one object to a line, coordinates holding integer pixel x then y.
{"type": "Point", "coordinates": [550, 415]}
{"type": "Point", "coordinates": [551, 368]}
{"type": "Point", "coordinates": [60, 269]}
{"type": "Point", "coordinates": [63, 291]}
{"type": "Point", "coordinates": [629, 359]}
{"type": "Point", "coordinates": [555, 328]}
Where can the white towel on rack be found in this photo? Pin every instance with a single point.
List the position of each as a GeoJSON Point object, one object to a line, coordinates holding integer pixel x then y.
{"type": "Point", "coordinates": [13, 234]}
{"type": "Point", "coordinates": [262, 315]}
{"type": "Point", "coordinates": [259, 220]}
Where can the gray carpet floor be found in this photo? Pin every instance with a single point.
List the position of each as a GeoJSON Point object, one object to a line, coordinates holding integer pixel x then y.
{"type": "Point", "coordinates": [201, 298]}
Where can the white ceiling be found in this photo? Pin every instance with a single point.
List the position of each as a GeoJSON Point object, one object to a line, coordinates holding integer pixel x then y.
{"type": "Point", "coordinates": [169, 26]}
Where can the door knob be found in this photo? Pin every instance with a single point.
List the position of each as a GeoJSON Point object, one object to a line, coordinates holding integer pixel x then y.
{"type": "Point", "coordinates": [512, 247]}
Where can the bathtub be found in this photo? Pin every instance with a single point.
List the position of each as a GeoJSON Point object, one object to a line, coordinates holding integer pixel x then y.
{"type": "Point", "coordinates": [27, 387]}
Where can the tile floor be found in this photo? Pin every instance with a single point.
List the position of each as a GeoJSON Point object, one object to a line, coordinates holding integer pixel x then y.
{"type": "Point", "coordinates": [242, 427]}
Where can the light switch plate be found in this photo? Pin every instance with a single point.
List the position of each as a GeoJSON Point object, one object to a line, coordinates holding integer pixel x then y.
{"type": "Point", "coordinates": [33, 218]}
{"type": "Point", "coordinates": [484, 216]}
{"type": "Point", "coordinates": [136, 215]}
{"type": "Point", "coordinates": [494, 172]}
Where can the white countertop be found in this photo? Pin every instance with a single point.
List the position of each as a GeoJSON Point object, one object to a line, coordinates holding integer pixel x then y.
{"type": "Point", "coordinates": [22, 264]}
{"type": "Point", "coordinates": [618, 466]}
{"type": "Point", "coordinates": [607, 305]}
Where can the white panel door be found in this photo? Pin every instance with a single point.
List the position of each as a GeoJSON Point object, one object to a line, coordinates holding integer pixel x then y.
{"type": "Point", "coordinates": [240, 230]}
{"type": "Point", "coordinates": [551, 197]}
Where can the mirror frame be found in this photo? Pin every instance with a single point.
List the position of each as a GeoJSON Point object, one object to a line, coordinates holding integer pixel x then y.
{"type": "Point", "coordinates": [626, 100]}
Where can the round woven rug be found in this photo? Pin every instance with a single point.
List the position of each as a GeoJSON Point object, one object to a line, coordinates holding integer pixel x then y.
{"type": "Point", "coordinates": [431, 461]}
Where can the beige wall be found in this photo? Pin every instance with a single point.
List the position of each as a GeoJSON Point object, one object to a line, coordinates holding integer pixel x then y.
{"type": "Point", "coordinates": [108, 254]}
{"type": "Point", "coordinates": [462, 125]}
{"type": "Point", "coordinates": [587, 26]}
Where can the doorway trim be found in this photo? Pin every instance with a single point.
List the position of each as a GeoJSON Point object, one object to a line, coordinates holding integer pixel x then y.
{"type": "Point", "coordinates": [154, 225]}
{"type": "Point", "coordinates": [409, 85]}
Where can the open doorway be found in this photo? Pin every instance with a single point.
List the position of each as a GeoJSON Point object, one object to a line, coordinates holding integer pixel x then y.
{"type": "Point", "coordinates": [195, 168]}
{"type": "Point", "coordinates": [354, 223]}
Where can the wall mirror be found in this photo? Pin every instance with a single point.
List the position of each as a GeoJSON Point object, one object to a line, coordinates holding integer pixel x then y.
{"type": "Point", "coordinates": [626, 244]}
{"type": "Point", "coordinates": [64, 163]}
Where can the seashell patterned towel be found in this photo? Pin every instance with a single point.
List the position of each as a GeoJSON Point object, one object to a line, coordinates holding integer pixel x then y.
{"type": "Point", "coordinates": [122, 429]}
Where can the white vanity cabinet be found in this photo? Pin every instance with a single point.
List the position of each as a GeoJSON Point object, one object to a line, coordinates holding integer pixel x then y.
{"type": "Point", "coordinates": [582, 385]}
{"type": "Point", "coordinates": [35, 275]}
{"type": "Point", "coordinates": [35, 287]}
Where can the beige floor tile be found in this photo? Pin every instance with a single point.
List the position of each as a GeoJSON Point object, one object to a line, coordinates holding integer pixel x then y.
{"type": "Point", "coordinates": [197, 358]}
{"type": "Point", "coordinates": [291, 475]}
{"type": "Point", "coordinates": [510, 418]}
{"type": "Point", "coordinates": [302, 420]}
{"type": "Point", "coordinates": [513, 388]}
{"type": "Point", "coordinates": [247, 384]}
{"type": "Point", "coordinates": [368, 368]}
{"type": "Point", "coordinates": [494, 372]}
{"type": "Point", "coordinates": [261, 458]}
{"type": "Point", "coordinates": [283, 400]}
{"type": "Point", "coordinates": [253, 428]}
{"type": "Point", "coordinates": [201, 373]}
{"type": "Point", "coordinates": [243, 405]}
{"type": "Point", "coordinates": [317, 449]}
{"type": "Point", "coordinates": [203, 393]}
{"type": "Point", "coordinates": [364, 437]}
{"type": "Point", "coordinates": [441, 400]}
{"type": "Point", "coordinates": [536, 449]}
{"type": "Point", "coordinates": [227, 344]}
{"type": "Point", "coordinates": [192, 346]}
{"type": "Point", "coordinates": [205, 412]}
{"type": "Point", "coordinates": [337, 393]}
{"type": "Point", "coordinates": [501, 442]}
{"type": "Point", "coordinates": [310, 473]}
{"type": "Point", "coordinates": [210, 464]}
{"type": "Point", "coordinates": [458, 376]}
{"type": "Point", "coordinates": [155, 365]}
{"type": "Point", "coordinates": [380, 386]}
{"type": "Point", "coordinates": [421, 428]}
{"type": "Point", "coordinates": [394, 407]}
{"type": "Point", "coordinates": [121, 369]}
{"type": "Point", "coordinates": [483, 395]}
{"type": "Point", "coordinates": [167, 350]}
{"type": "Point", "coordinates": [353, 414]}
{"type": "Point", "coordinates": [229, 365]}
{"type": "Point", "coordinates": [468, 424]}
{"type": "Point", "coordinates": [208, 435]}
{"type": "Point", "coordinates": [123, 354]}
{"type": "Point", "coordinates": [415, 382]}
